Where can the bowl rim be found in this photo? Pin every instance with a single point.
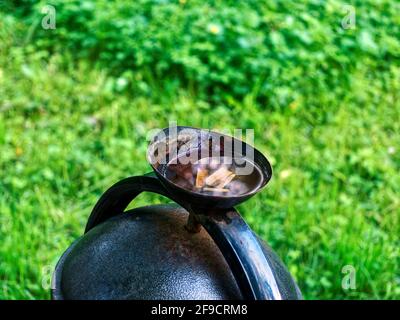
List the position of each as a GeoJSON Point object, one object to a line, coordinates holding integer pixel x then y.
{"type": "Point", "coordinates": [266, 176]}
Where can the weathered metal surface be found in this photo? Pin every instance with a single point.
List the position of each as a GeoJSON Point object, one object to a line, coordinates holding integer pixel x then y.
{"type": "Point", "coordinates": [146, 253]}
{"type": "Point", "coordinates": [204, 200]}
{"type": "Point", "coordinates": [244, 254]}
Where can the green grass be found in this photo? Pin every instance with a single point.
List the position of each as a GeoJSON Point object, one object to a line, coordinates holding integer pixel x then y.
{"type": "Point", "coordinates": [67, 134]}
{"type": "Point", "coordinates": [64, 138]}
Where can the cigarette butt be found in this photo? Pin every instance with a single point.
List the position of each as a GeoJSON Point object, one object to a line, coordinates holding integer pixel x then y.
{"type": "Point", "coordinates": [201, 177]}
{"type": "Point", "coordinates": [218, 176]}
{"type": "Point", "coordinates": [226, 181]}
{"type": "Point", "coordinates": [216, 189]}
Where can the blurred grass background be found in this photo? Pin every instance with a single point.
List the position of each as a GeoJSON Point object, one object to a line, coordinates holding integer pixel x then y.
{"type": "Point", "coordinates": [76, 104]}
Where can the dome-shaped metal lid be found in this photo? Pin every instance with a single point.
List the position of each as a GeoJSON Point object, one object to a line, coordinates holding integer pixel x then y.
{"type": "Point", "coordinates": [145, 253]}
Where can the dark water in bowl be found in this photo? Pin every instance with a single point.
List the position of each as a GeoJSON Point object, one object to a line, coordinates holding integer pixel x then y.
{"type": "Point", "coordinates": [185, 175]}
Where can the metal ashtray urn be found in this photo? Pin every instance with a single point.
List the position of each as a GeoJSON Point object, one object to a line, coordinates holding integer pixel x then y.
{"type": "Point", "coordinates": [197, 247]}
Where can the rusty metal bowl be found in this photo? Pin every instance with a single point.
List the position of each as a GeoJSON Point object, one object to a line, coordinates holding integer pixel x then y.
{"type": "Point", "coordinates": [197, 139]}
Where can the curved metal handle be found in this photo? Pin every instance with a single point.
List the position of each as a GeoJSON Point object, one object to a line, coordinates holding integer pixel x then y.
{"type": "Point", "coordinates": [115, 200]}
{"type": "Point", "coordinates": [237, 242]}
{"type": "Point", "coordinates": [243, 253]}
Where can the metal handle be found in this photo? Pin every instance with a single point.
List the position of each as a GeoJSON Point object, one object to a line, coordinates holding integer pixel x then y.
{"type": "Point", "coordinates": [237, 242]}
{"type": "Point", "coordinates": [115, 200]}
{"type": "Point", "coordinates": [243, 253]}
